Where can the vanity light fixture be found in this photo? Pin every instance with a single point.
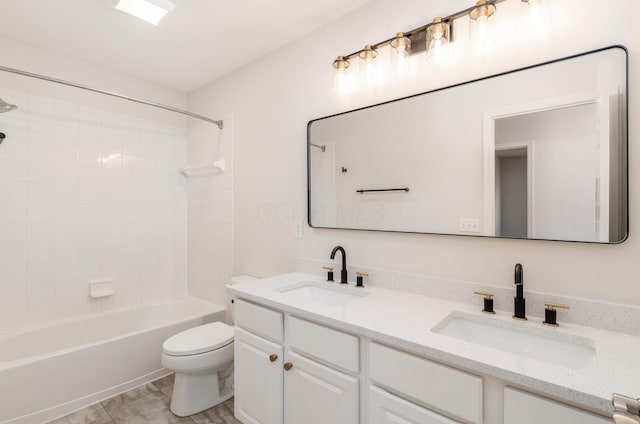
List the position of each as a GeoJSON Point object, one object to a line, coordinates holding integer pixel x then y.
{"type": "Point", "coordinates": [401, 45]}
{"type": "Point", "coordinates": [340, 76]}
{"type": "Point", "coordinates": [481, 26]}
{"type": "Point", "coordinates": [366, 63]}
{"type": "Point", "coordinates": [438, 37]}
{"type": "Point", "coordinates": [368, 54]}
{"type": "Point", "coordinates": [432, 38]}
{"type": "Point", "coordinates": [151, 11]}
{"type": "Point", "coordinates": [482, 11]}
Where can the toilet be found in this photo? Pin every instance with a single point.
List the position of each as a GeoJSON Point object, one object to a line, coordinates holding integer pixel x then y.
{"type": "Point", "coordinates": [202, 359]}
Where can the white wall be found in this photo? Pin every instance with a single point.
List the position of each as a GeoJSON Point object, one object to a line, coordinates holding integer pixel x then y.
{"type": "Point", "coordinates": [273, 98]}
{"type": "Point", "coordinates": [89, 190]}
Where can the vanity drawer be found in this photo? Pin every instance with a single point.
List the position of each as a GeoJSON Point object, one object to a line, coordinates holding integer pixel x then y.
{"type": "Point", "coordinates": [325, 344]}
{"type": "Point", "coordinates": [438, 386]}
{"type": "Point", "coordinates": [259, 320]}
{"type": "Point", "coordinates": [523, 408]}
{"type": "Point", "coordinates": [385, 408]}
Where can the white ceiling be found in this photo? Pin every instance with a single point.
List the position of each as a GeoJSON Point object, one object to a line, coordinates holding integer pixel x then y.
{"type": "Point", "coordinates": [200, 41]}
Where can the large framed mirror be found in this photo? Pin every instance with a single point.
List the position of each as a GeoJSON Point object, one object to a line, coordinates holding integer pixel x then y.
{"type": "Point", "coordinates": [535, 153]}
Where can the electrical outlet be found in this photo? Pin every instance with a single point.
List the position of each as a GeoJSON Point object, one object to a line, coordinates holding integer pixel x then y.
{"type": "Point", "coordinates": [297, 229]}
{"type": "Point", "coordinates": [469, 225]}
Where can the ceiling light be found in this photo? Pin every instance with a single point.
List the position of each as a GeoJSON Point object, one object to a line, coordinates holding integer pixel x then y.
{"type": "Point", "coordinates": [151, 11]}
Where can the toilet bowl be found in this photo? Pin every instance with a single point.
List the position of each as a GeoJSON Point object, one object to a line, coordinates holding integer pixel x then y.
{"type": "Point", "coordinates": [202, 359]}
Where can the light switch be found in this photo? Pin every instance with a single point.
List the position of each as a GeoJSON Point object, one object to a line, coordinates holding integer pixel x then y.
{"type": "Point", "coordinates": [297, 229]}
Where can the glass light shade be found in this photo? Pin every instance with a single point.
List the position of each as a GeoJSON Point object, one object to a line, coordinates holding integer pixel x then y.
{"type": "Point", "coordinates": [438, 39]}
{"type": "Point", "coordinates": [340, 77]}
{"type": "Point", "coordinates": [401, 45]}
{"type": "Point", "coordinates": [481, 27]}
{"type": "Point", "coordinates": [536, 18]}
{"type": "Point", "coordinates": [367, 55]}
{"type": "Point", "coordinates": [400, 52]}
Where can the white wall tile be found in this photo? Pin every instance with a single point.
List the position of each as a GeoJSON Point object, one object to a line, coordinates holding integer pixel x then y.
{"type": "Point", "coordinates": [40, 152]}
{"type": "Point", "coordinates": [12, 274]}
{"type": "Point", "coordinates": [41, 293]}
{"type": "Point", "coordinates": [40, 108]}
{"type": "Point", "coordinates": [77, 208]}
{"type": "Point", "coordinates": [12, 170]}
{"type": "Point", "coordinates": [39, 273]}
{"type": "Point", "coordinates": [13, 213]}
{"type": "Point", "coordinates": [14, 146]}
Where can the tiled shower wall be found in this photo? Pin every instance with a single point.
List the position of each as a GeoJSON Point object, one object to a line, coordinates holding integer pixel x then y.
{"type": "Point", "coordinates": [87, 194]}
{"type": "Point", "coordinates": [211, 212]}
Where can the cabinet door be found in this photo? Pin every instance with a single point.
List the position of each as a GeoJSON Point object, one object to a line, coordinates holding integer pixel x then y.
{"type": "Point", "coordinates": [523, 408]}
{"type": "Point", "coordinates": [316, 394]}
{"type": "Point", "coordinates": [385, 408]}
{"type": "Point", "coordinates": [258, 379]}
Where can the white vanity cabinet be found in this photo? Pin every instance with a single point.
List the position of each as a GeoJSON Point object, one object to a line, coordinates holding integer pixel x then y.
{"type": "Point", "coordinates": [290, 370]}
{"type": "Point", "coordinates": [258, 379]}
{"type": "Point", "coordinates": [317, 394]}
{"type": "Point", "coordinates": [308, 374]}
{"type": "Point", "coordinates": [258, 362]}
{"type": "Point", "coordinates": [322, 385]}
{"type": "Point", "coordinates": [525, 408]}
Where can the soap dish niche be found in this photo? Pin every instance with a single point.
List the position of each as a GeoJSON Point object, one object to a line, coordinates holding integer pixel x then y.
{"type": "Point", "coordinates": [102, 288]}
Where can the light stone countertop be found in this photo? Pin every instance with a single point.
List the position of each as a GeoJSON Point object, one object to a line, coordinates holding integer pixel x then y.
{"type": "Point", "coordinates": [405, 320]}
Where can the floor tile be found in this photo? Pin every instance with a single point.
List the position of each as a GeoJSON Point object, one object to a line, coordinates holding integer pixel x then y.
{"type": "Point", "coordinates": [118, 401]}
{"type": "Point", "coordinates": [148, 404]}
{"type": "Point", "coordinates": [94, 414]}
{"type": "Point", "coordinates": [165, 384]}
{"type": "Point", "coordinates": [150, 409]}
{"type": "Point", "coordinates": [219, 414]}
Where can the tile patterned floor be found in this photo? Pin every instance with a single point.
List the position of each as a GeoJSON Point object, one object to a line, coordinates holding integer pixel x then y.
{"type": "Point", "coordinates": [148, 404]}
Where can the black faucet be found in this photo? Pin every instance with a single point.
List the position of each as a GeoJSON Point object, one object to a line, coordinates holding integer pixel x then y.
{"type": "Point", "coordinates": [519, 301]}
{"type": "Point", "coordinates": [343, 271]}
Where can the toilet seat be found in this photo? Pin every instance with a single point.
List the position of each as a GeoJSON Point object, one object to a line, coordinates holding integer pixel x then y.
{"type": "Point", "coordinates": [200, 339]}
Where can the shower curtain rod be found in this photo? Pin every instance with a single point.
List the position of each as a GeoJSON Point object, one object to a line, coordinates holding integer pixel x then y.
{"type": "Point", "coordinates": [219, 123]}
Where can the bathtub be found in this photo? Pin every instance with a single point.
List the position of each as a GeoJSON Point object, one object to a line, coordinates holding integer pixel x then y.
{"type": "Point", "coordinates": [50, 371]}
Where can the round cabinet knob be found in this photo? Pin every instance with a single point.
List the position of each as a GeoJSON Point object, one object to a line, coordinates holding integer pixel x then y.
{"type": "Point", "coordinates": [288, 366]}
{"type": "Point", "coordinates": [273, 357]}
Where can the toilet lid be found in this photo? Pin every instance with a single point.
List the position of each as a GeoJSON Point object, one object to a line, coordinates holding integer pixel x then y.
{"type": "Point", "coordinates": [200, 339]}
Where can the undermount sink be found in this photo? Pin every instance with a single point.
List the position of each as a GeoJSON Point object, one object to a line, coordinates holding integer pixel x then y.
{"type": "Point", "coordinates": [327, 295]}
{"type": "Point", "coordinates": [543, 344]}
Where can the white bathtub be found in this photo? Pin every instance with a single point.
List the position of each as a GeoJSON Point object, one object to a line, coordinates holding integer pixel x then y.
{"type": "Point", "coordinates": [50, 371]}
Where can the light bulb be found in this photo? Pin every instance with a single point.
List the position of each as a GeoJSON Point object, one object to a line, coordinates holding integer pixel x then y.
{"type": "Point", "coordinates": [340, 77]}
{"type": "Point", "coordinates": [536, 18]}
{"type": "Point", "coordinates": [401, 52]}
{"type": "Point", "coordinates": [438, 37]}
{"type": "Point", "coordinates": [366, 63]}
{"type": "Point", "coordinates": [481, 26]}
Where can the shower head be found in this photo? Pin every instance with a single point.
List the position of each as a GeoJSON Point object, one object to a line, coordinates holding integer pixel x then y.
{"type": "Point", "coordinates": [6, 107]}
